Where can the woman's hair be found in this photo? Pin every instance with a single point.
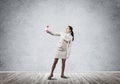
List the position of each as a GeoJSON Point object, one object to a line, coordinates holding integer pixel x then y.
{"type": "Point", "coordinates": [72, 33]}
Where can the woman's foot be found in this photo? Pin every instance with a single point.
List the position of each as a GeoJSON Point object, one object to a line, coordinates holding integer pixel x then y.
{"type": "Point", "coordinates": [49, 78]}
{"type": "Point", "coordinates": [63, 76]}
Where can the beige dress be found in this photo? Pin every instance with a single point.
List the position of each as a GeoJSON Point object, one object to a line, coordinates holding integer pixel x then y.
{"type": "Point", "coordinates": [62, 51]}
{"type": "Point", "coordinates": [64, 44]}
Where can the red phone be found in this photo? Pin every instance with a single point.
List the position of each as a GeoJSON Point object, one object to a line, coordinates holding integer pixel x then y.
{"type": "Point", "coordinates": [46, 28]}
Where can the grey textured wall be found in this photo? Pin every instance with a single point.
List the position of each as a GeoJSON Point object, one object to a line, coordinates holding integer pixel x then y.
{"type": "Point", "coordinates": [25, 46]}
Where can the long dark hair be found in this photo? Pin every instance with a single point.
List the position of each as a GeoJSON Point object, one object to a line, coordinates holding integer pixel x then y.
{"type": "Point", "coordinates": [72, 33]}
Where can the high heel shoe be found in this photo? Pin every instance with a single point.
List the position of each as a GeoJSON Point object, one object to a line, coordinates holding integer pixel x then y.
{"type": "Point", "coordinates": [49, 78]}
{"type": "Point", "coordinates": [62, 76]}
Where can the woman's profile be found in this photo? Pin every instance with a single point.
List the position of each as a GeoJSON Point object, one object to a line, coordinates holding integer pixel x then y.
{"type": "Point", "coordinates": [64, 47]}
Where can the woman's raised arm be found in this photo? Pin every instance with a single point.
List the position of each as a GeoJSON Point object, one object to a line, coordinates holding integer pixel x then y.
{"type": "Point", "coordinates": [51, 32]}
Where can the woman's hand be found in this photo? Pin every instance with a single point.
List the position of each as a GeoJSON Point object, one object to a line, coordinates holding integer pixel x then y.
{"type": "Point", "coordinates": [46, 28]}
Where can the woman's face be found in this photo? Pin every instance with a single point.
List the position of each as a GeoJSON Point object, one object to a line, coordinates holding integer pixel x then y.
{"type": "Point", "coordinates": [68, 30]}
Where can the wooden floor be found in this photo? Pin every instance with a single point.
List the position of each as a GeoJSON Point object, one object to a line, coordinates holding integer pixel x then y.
{"type": "Point", "coordinates": [73, 78]}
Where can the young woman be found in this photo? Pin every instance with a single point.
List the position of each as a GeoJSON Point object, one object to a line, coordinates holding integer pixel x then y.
{"type": "Point", "coordinates": [64, 47]}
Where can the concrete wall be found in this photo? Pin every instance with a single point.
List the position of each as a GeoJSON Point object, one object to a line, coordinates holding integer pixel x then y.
{"type": "Point", "coordinates": [24, 46]}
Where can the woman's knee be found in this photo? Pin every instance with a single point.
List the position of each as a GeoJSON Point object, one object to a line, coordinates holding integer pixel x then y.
{"type": "Point", "coordinates": [56, 60]}
{"type": "Point", "coordinates": [63, 61]}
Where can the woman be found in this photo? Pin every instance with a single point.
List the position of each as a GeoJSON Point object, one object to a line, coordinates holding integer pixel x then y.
{"type": "Point", "coordinates": [64, 47]}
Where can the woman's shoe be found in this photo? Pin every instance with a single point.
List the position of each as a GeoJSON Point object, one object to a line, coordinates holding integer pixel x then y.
{"type": "Point", "coordinates": [49, 78]}
{"type": "Point", "coordinates": [64, 76]}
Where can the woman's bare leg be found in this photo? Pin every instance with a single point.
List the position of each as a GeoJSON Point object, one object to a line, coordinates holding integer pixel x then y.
{"type": "Point", "coordinates": [63, 68]}
{"type": "Point", "coordinates": [53, 68]}
{"type": "Point", "coordinates": [54, 65]}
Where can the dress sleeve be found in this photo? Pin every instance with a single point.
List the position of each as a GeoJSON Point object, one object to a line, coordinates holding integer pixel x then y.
{"type": "Point", "coordinates": [54, 33]}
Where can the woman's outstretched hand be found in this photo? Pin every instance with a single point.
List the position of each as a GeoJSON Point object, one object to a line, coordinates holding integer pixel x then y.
{"type": "Point", "coordinates": [46, 28]}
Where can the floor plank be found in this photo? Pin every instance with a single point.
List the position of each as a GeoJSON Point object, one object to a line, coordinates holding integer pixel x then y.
{"type": "Point", "coordinates": [73, 78]}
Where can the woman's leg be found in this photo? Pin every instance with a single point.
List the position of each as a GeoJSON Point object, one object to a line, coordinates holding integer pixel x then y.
{"type": "Point", "coordinates": [53, 67]}
{"type": "Point", "coordinates": [63, 67]}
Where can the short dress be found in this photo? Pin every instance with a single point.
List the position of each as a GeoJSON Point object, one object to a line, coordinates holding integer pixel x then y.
{"type": "Point", "coordinates": [62, 51]}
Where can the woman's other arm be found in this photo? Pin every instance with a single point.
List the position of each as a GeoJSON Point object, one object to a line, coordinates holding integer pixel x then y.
{"type": "Point", "coordinates": [67, 38]}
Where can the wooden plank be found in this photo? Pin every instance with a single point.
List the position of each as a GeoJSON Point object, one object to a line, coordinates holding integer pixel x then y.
{"type": "Point", "coordinates": [73, 78]}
